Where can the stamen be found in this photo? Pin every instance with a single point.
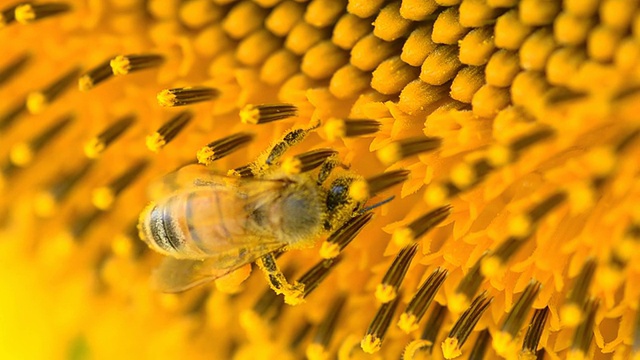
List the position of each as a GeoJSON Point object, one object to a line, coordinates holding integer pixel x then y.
{"type": "Point", "coordinates": [307, 161]}
{"type": "Point", "coordinates": [7, 15]}
{"type": "Point", "coordinates": [340, 128]}
{"type": "Point", "coordinates": [28, 13]}
{"type": "Point", "coordinates": [13, 68]}
{"type": "Point", "coordinates": [583, 336]}
{"type": "Point", "coordinates": [262, 114]}
{"type": "Point", "coordinates": [344, 235]}
{"type": "Point", "coordinates": [22, 153]}
{"type": "Point", "coordinates": [480, 347]}
{"type": "Point", "coordinates": [493, 264]}
{"type": "Point", "coordinates": [452, 345]}
{"type": "Point", "coordinates": [571, 313]}
{"type": "Point", "coordinates": [523, 225]}
{"type": "Point", "coordinates": [37, 101]}
{"type": "Point", "coordinates": [104, 196]}
{"type": "Point", "coordinates": [310, 280]}
{"type": "Point", "coordinates": [387, 290]}
{"type": "Point", "coordinates": [417, 228]}
{"type": "Point", "coordinates": [361, 190]}
{"type": "Point", "coordinates": [46, 201]}
{"type": "Point", "coordinates": [268, 306]}
{"type": "Point", "coordinates": [300, 335]}
{"type": "Point", "coordinates": [465, 175]}
{"type": "Point", "coordinates": [504, 341]}
{"type": "Point", "coordinates": [429, 334]}
{"type": "Point", "coordinates": [374, 336]}
{"type": "Point", "coordinates": [636, 334]}
{"type": "Point", "coordinates": [83, 223]}
{"type": "Point", "coordinates": [500, 156]}
{"type": "Point", "coordinates": [317, 350]}
{"type": "Point", "coordinates": [95, 76]}
{"type": "Point", "coordinates": [534, 332]}
{"type": "Point", "coordinates": [168, 131]}
{"type": "Point", "coordinates": [220, 148]}
{"type": "Point", "coordinates": [467, 288]}
{"type": "Point", "coordinates": [186, 96]}
{"type": "Point", "coordinates": [437, 194]}
{"type": "Point", "coordinates": [7, 119]}
{"type": "Point", "coordinates": [127, 243]}
{"type": "Point", "coordinates": [96, 146]}
{"type": "Point", "coordinates": [242, 171]}
{"type": "Point", "coordinates": [402, 149]}
{"type": "Point", "coordinates": [125, 64]}
{"type": "Point", "coordinates": [420, 302]}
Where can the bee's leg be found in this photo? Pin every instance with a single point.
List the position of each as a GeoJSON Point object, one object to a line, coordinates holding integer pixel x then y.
{"type": "Point", "coordinates": [277, 280]}
{"type": "Point", "coordinates": [273, 153]}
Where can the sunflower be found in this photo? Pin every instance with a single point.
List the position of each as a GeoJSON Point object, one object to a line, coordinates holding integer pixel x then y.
{"type": "Point", "coordinates": [512, 126]}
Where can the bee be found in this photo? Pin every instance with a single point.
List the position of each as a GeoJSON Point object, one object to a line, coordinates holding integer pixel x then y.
{"type": "Point", "coordinates": [208, 224]}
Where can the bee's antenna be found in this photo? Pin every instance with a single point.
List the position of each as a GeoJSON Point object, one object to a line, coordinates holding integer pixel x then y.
{"type": "Point", "coordinates": [369, 208]}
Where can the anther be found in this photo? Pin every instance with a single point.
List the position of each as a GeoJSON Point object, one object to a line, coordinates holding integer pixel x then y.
{"type": "Point", "coordinates": [7, 15]}
{"type": "Point", "coordinates": [388, 288]}
{"type": "Point", "coordinates": [307, 161]}
{"type": "Point", "coordinates": [262, 114]}
{"type": "Point", "coordinates": [437, 194]}
{"type": "Point", "coordinates": [37, 101]}
{"type": "Point", "coordinates": [374, 336]}
{"type": "Point", "coordinates": [83, 223]}
{"type": "Point", "coordinates": [28, 13]}
{"type": "Point", "coordinates": [13, 68]}
{"type": "Point", "coordinates": [523, 225]}
{"type": "Point", "coordinates": [452, 345]}
{"type": "Point", "coordinates": [47, 201]}
{"type": "Point", "coordinates": [534, 332]}
{"type": "Point", "coordinates": [420, 226]}
{"type": "Point", "coordinates": [22, 153]}
{"type": "Point", "coordinates": [125, 64]}
{"type": "Point", "coordinates": [583, 335]}
{"type": "Point", "coordinates": [104, 196]}
{"type": "Point", "coordinates": [127, 243]}
{"type": "Point", "coordinates": [480, 346]}
{"type": "Point", "coordinates": [361, 190]}
{"type": "Point", "coordinates": [429, 334]}
{"type": "Point", "coordinates": [466, 175]}
{"type": "Point", "coordinates": [96, 146]}
{"type": "Point", "coordinates": [636, 334]}
{"type": "Point", "coordinates": [340, 128]}
{"type": "Point", "coordinates": [320, 342]}
{"type": "Point", "coordinates": [571, 313]}
{"type": "Point", "coordinates": [186, 96]}
{"type": "Point", "coordinates": [220, 148]}
{"type": "Point", "coordinates": [504, 341]}
{"type": "Point", "coordinates": [344, 235]}
{"type": "Point", "coordinates": [242, 171]}
{"type": "Point", "coordinates": [310, 280]}
{"type": "Point", "coordinates": [420, 302]}
{"type": "Point", "coordinates": [467, 288]}
{"type": "Point", "coordinates": [499, 156]}
{"type": "Point", "coordinates": [402, 149]}
{"type": "Point", "coordinates": [95, 76]}
{"type": "Point", "coordinates": [268, 305]}
{"type": "Point", "coordinates": [494, 263]}
{"type": "Point", "coordinates": [8, 118]}
{"type": "Point", "coordinates": [168, 131]}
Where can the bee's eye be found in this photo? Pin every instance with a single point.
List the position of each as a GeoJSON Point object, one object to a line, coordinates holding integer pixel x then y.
{"type": "Point", "coordinates": [338, 193]}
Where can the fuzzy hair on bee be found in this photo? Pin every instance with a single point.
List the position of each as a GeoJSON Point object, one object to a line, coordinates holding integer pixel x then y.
{"type": "Point", "coordinates": [209, 224]}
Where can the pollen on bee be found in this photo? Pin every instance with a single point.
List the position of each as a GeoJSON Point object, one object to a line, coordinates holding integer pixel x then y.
{"type": "Point", "coordinates": [307, 161]}
{"type": "Point", "coordinates": [417, 228]}
{"type": "Point", "coordinates": [372, 340]}
{"type": "Point", "coordinates": [220, 148]}
{"type": "Point", "coordinates": [37, 101]}
{"type": "Point", "coordinates": [96, 146]}
{"type": "Point", "coordinates": [22, 154]}
{"type": "Point", "coordinates": [571, 313]}
{"type": "Point", "coordinates": [339, 239]}
{"type": "Point", "coordinates": [402, 149]}
{"type": "Point", "coordinates": [185, 96]}
{"type": "Point", "coordinates": [339, 128]}
{"type": "Point", "coordinates": [104, 196]}
{"type": "Point", "coordinates": [125, 64]}
{"type": "Point", "coordinates": [421, 300]}
{"type": "Point", "coordinates": [452, 345]}
{"type": "Point", "coordinates": [28, 13]}
{"type": "Point", "coordinates": [232, 282]}
{"type": "Point", "coordinates": [387, 290]}
{"type": "Point", "coordinates": [265, 113]}
{"type": "Point", "coordinates": [168, 131]}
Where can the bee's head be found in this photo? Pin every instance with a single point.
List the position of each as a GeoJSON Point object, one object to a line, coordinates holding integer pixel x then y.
{"type": "Point", "coordinates": [340, 205]}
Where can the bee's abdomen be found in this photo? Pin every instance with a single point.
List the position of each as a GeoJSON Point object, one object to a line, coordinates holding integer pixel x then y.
{"type": "Point", "coordinates": [162, 231]}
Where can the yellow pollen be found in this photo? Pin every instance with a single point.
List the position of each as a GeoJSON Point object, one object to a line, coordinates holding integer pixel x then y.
{"type": "Point", "coordinates": [316, 352]}
{"type": "Point", "coordinates": [36, 102]}
{"type": "Point", "coordinates": [232, 282]}
{"type": "Point", "coordinates": [292, 166]}
{"type": "Point", "coordinates": [85, 83]}
{"type": "Point", "coordinates": [458, 303]}
{"type": "Point", "coordinates": [450, 348]}
{"type": "Point", "coordinates": [121, 246]}
{"type": "Point", "coordinates": [408, 323]}
{"type": "Point", "coordinates": [166, 98]}
{"type": "Point", "coordinates": [204, 155]}
{"type": "Point", "coordinates": [21, 154]}
{"type": "Point", "coordinates": [371, 344]}
{"type": "Point", "coordinates": [403, 236]}
{"type": "Point", "coordinates": [602, 161]}
{"type": "Point", "coordinates": [571, 315]}
{"type": "Point", "coordinates": [335, 129]}
{"type": "Point", "coordinates": [155, 142]}
{"type": "Point", "coordinates": [359, 190]}
{"type": "Point", "coordinates": [499, 155]}
{"type": "Point", "coordinates": [463, 175]}
{"type": "Point", "coordinates": [491, 267]}
{"type": "Point", "coordinates": [436, 195]}
{"type": "Point", "coordinates": [504, 345]}
{"type": "Point", "coordinates": [581, 197]}
{"type": "Point", "coordinates": [385, 293]}
{"type": "Point", "coordinates": [44, 205]}
{"type": "Point", "coordinates": [520, 226]}
{"type": "Point", "coordinates": [329, 250]}
{"type": "Point", "coordinates": [103, 198]}
{"type": "Point", "coordinates": [94, 148]}
{"type": "Point", "coordinates": [25, 14]}
{"type": "Point", "coordinates": [120, 65]}
{"type": "Point", "coordinates": [390, 154]}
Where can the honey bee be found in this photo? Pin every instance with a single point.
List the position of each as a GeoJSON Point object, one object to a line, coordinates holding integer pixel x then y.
{"type": "Point", "coordinates": [208, 224]}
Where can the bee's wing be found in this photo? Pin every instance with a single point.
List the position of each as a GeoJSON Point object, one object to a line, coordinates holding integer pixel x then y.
{"type": "Point", "coordinates": [177, 275]}
{"type": "Point", "coordinates": [188, 177]}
